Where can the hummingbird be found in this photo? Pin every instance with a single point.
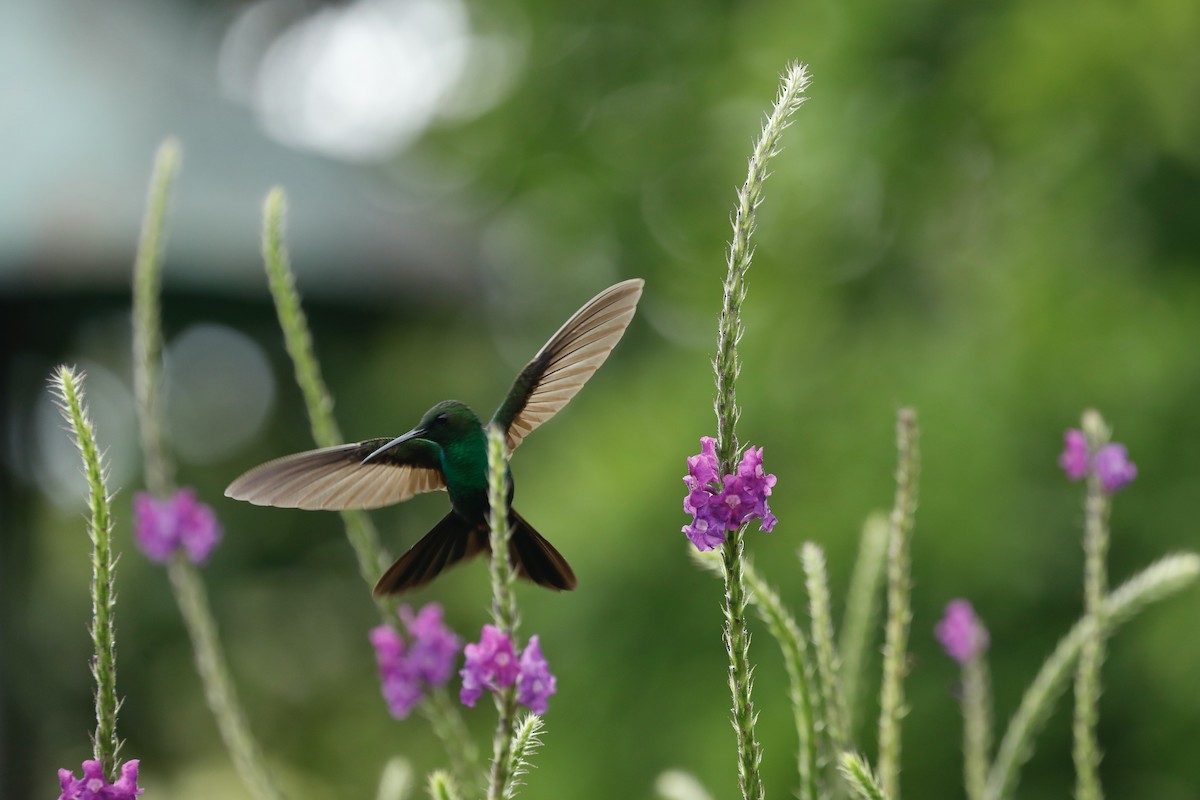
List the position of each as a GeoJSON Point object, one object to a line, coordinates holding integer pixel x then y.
{"type": "Point", "coordinates": [447, 450]}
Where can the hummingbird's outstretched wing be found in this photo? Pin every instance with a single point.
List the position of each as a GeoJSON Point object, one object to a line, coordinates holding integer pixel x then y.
{"type": "Point", "coordinates": [564, 364]}
{"type": "Point", "coordinates": [335, 478]}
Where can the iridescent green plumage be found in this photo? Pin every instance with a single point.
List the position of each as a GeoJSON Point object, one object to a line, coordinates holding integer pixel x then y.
{"type": "Point", "coordinates": [448, 450]}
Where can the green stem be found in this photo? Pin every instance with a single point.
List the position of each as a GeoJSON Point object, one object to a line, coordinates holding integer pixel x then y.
{"type": "Point", "coordinates": [147, 320]}
{"type": "Point", "coordinates": [899, 612]}
{"type": "Point", "coordinates": [817, 583]}
{"type": "Point", "coordinates": [801, 681]}
{"type": "Point", "coordinates": [726, 366]}
{"type": "Point", "coordinates": [69, 386]}
{"type": "Point", "coordinates": [862, 607]}
{"type": "Point", "coordinates": [214, 677]}
{"type": "Point", "coordinates": [1161, 579]}
{"type": "Point", "coordinates": [977, 725]}
{"type": "Point", "coordinates": [504, 607]}
{"type": "Point", "coordinates": [525, 742]}
{"type": "Point", "coordinates": [372, 558]}
{"type": "Point", "coordinates": [1086, 751]}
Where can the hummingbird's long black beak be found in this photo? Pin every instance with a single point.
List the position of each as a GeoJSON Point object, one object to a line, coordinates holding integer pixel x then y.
{"type": "Point", "coordinates": [415, 433]}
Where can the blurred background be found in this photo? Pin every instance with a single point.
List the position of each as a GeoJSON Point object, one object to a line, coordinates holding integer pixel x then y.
{"type": "Point", "coordinates": [988, 211]}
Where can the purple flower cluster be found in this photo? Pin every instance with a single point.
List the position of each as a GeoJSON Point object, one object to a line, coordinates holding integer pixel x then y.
{"type": "Point", "coordinates": [181, 522]}
{"type": "Point", "coordinates": [407, 670]}
{"type": "Point", "coordinates": [961, 633]}
{"type": "Point", "coordinates": [94, 786]}
{"type": "Point", "coordinates": [493, 664]}
{"type": "Point", "coordinates": [1110, 463]}
{"type": "Point", "coordinates": [724, 503]}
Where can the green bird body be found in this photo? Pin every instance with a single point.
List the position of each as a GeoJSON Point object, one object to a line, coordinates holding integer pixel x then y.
{"type": "Point", "coordinates": [448, 450]}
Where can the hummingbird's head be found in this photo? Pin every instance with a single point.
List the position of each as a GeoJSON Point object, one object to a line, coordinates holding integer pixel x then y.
{"type": "Point", "coordinates": [449, 421]}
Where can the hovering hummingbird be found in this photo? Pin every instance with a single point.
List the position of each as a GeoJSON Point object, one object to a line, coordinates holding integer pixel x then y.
{"type": "Point", "coordinates": [448, 450]}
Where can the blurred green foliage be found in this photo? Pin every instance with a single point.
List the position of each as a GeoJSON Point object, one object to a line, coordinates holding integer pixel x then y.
{"type": "Point", "coordinates": [986, 211]}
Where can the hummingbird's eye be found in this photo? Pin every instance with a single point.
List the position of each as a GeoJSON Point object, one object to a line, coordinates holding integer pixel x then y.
{"type": "Point", "coordinates": [441, 418]}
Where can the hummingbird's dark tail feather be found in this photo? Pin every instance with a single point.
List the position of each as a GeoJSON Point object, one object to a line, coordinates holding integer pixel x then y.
{"type": "Point", "coordinates": [536, 560]}
{"type": "Point", "coordinates": [455, 539]}
{"type": "Point", "coordinates": [450, 541]}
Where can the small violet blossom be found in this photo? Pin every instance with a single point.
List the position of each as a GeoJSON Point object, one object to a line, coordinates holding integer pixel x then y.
{"type": "Point", "coordinates": [535, 682]}
{"type": "Point", "coordinates": [407, 670]}
{"type": "Point", "coordinates": [961, 633]}
{"type": "Point", "coordinates": [493, 664]}
{"type": "Point", "coordinates": [1113, 467]}
{"type": "Point", "coordinates": [94, 786]}
{"type": "Point", "coordinates": [180, 522]}
{"type": "Point", "coordinates": [1110, 463]}
{"type": "Point", "coordinates": [720, 504]}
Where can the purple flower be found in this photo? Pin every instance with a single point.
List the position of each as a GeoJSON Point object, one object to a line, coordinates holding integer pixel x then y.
{"type": "Point", "coordinates": [1110, 463]}
{"type": "Point", "coordinates": [961, 633]}
{"type": "Point", "coordinates": [490, 664]}
{"type": "Point", "coordinates": [1074, 459]}
{"type": "Point", "coordinates": [398, 678]}
{"type": "Point", "coordinates": [163, 526]}
{"type": "Point", "coordinates": [535, 682]}
{"type": "Point", "coordinates": [724, 503]}
{"type": "Point", "coordinates": [94, 786]}
{"type": "Point", "coordinates": [1113, 467]}
{"type": "Point", "coordinates": [434, 646]}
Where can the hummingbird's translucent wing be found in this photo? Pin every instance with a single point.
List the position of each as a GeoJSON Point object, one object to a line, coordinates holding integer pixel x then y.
{"type": "Point", "coordinates": [335, 478]}
{"type": "Point", "coordinates": [564, 364]}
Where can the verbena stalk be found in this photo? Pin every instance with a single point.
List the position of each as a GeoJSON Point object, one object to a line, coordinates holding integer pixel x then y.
{"type": "Point", "coordinates": [372, 558]}
{"type": "Point", "coordinates": [801, 681]}
{"type": "Point", "coordinates": [977, 725]}
{"type": "Point", "coordinates": [817, 583]}
{"type": "Point", "coordinates": [147, 320]}
{"type": "Point", "coordinates": [862, 608]}
{"type": "Point", "coordinates": [1159, 580]}
{"type": "Point", "coordinates": [188, 588]}
{"type": "Point", "coordinates": [899, 613]}
{"type": "Point", "coordinates": [69, 386]}
{"type": "Point", "coordinates": [504, 608]}
{"type": "Point", "coordinates": [361, 533]}
{"type": "Point", "coordinates": [726, 366]}
{"type": "Point", "coordinates": [1086, 750]}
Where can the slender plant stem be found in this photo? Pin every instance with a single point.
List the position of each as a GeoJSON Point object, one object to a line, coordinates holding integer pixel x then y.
{"type": "Point", "coordinates": [1160, 580]}
{"type": "Point", "coordinates": [817, 582]}
{"type": "Point", "coordinates": [801, 680]}
{"type": "Point", "coordinates": [977, 725]}
{"type": "Point", "coordinates": [68, 385]}
{"type": "Point", "coordinates": [396, 781]}
{"type": "Point", "coordinates": [1095, 583]}
{"type": "Point", "coordinates": [159, 474]}
{"type": "Point", "coordinates": [862, 607]}
{"type": "Point", "coordinates": [899, 613]}
{"type": "Point", "coordinates": [504, 607]}
{"type": "Point", "coordinates": [858, 775]}
{"type": "Point", "coordinates": [147, 320]}
{"type": "Point", "coordinates": [372, 558]}
{"type": "Point", "coordinates": [214, 677]}
{"type": "Point", "coordinates": [726, 366]}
